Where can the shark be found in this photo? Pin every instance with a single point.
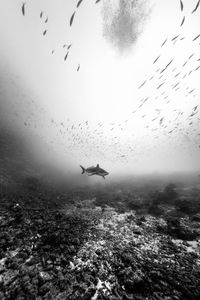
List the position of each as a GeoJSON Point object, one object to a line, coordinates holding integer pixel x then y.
{"type": "Point", "coordinates": [94, 171]}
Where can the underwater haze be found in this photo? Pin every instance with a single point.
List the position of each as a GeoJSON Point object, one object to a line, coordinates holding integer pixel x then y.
{"type": "Point", "coordinates": [99, 149]}
{"type": "Point", "coordinates": [112, 82]}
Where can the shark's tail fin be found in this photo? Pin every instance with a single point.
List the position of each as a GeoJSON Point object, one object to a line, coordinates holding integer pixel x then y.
{"type": "Point", "coordinates": [83, 169]}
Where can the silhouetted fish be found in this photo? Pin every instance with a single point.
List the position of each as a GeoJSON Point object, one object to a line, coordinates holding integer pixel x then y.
{"type": "Point", "coordinates": [160, 85]}
{"type": "Point", "coordinates": [164, 42]}
{"type": "Point", "coordinates": [79, 3]}
{"type": "Point", "coordinates": [197, 5]}
{"type": "Point", "coordinates": [181, 4]}
{"type": "Point", "coordinates": [196, 37]}
{"type": "Point", "coordinates": [23, 8]}
{"type": "Point", "coordinates": [142, 84]}
{"type": "Point", "coordinates": [72, 18]}
{"type": "Point", "coordinates": [66, 56]}
{"type": "Point", "coordinates": [156, 59]}
{"type": "Point", "coordinates": [166, 66]}
{"type": "Point", "coordinates": [174, 38]}
{"type": "Point", "coordinates": [183, 20]}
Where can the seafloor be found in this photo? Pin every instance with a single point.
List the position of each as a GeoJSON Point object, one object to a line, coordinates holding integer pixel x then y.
{"type": "Point", "coordinates": [111, 245]}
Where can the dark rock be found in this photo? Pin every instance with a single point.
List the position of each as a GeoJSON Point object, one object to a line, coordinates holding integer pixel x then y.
{"type": "Point", "coordinates": [195, 218]}
{"type": "Point", "coordinates": [98, 252]}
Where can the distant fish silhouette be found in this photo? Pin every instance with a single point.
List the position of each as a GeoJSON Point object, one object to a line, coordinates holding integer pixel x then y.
{"type": "Point", "coordinates": [190, 56]}
{"type": "Point", "coordinates": [78, 68]}
{"type": "Point", "coordinates": [97, 1]}
{"type": "Point", "coordinates": [142, 84]}
{"type": "Point", "coordinates": [156, 59]}
{"type": "Point", "coordinates": [79, 3]}
{"type": "Point", "coordinates": [183, 20]}
{"type": "Point", "coordinates": [197, 5]}
{"type": "Point", "coordinates": [181, 4]}
{"type": "Point", "coordinates": [160, 86]}
{"type": "Point", "coordinates": [66, 56]}
{"type": "Point", "coordinates": [41, 14]}
{"type": "Point", "coordinates": [44, 33]}
{"type": "Point", "coordinates": [23, 8]}
{"type": "Point", "coordinates": [166, 66]}
{"type": "Point", "coordinates": [164, 42]}
{"type": "Point", "coordinates": [174, 38]}
{"type": "Point", "coordinates": [72, 18]}
{"type": "Point", "coordinates": [196, 37]}
{"type": "Point", "coordinates": [161, 120]}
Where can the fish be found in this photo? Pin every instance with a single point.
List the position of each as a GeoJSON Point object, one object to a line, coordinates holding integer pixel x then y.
{"type": "Point", "coordinates": [79, 3]}
{"type": "Point", "coordinates": [181, 4]}
{"type": "Point", "coordinates": [174, 38]}
{"type": "Point", "coordinates": [142, 84]}
{"type": "Point", "coordinates": [197, 5]}
{"type": "Point", "coordinates": [72, 18]}
{"type": "Point", "coordinates": [196, 37]}
{"type": "Point", "coordinates": [160, 85]}
{"type": "Point", "coordinates": [66, 56]}
{"type": "Point", "coordinates": [156, 59]}
{"type": "Point", "coordinates": [97, 1]}
{"type": "Point", "coordinates": [94, 171]}
{"type": "Point", "coordinates": [23, 9]}
{"type": "Point", "coordinates": [183, 20]}
{"type": "Point", "coordinates": [44, 32]}
{"type": "Point", "coordinates": [190, 56]}
{"type": "Point", "coordinates": [166, 66]}
{"type": "Point", "coordinates": [161, 120]}
{"type": "Point", "coordinates": [78, 68]}
{"type": "Point", "coordinates": [177, 74]}
{"type": "Point", "coordinates": [164, 42]}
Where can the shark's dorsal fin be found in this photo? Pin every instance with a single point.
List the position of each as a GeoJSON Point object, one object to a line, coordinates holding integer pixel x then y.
{"type": "Point", "coordinates": [97, 165]}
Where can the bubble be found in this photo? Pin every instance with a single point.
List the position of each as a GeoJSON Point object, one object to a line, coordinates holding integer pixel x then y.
{"type": "Point", "coordinates": [123, 22]}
